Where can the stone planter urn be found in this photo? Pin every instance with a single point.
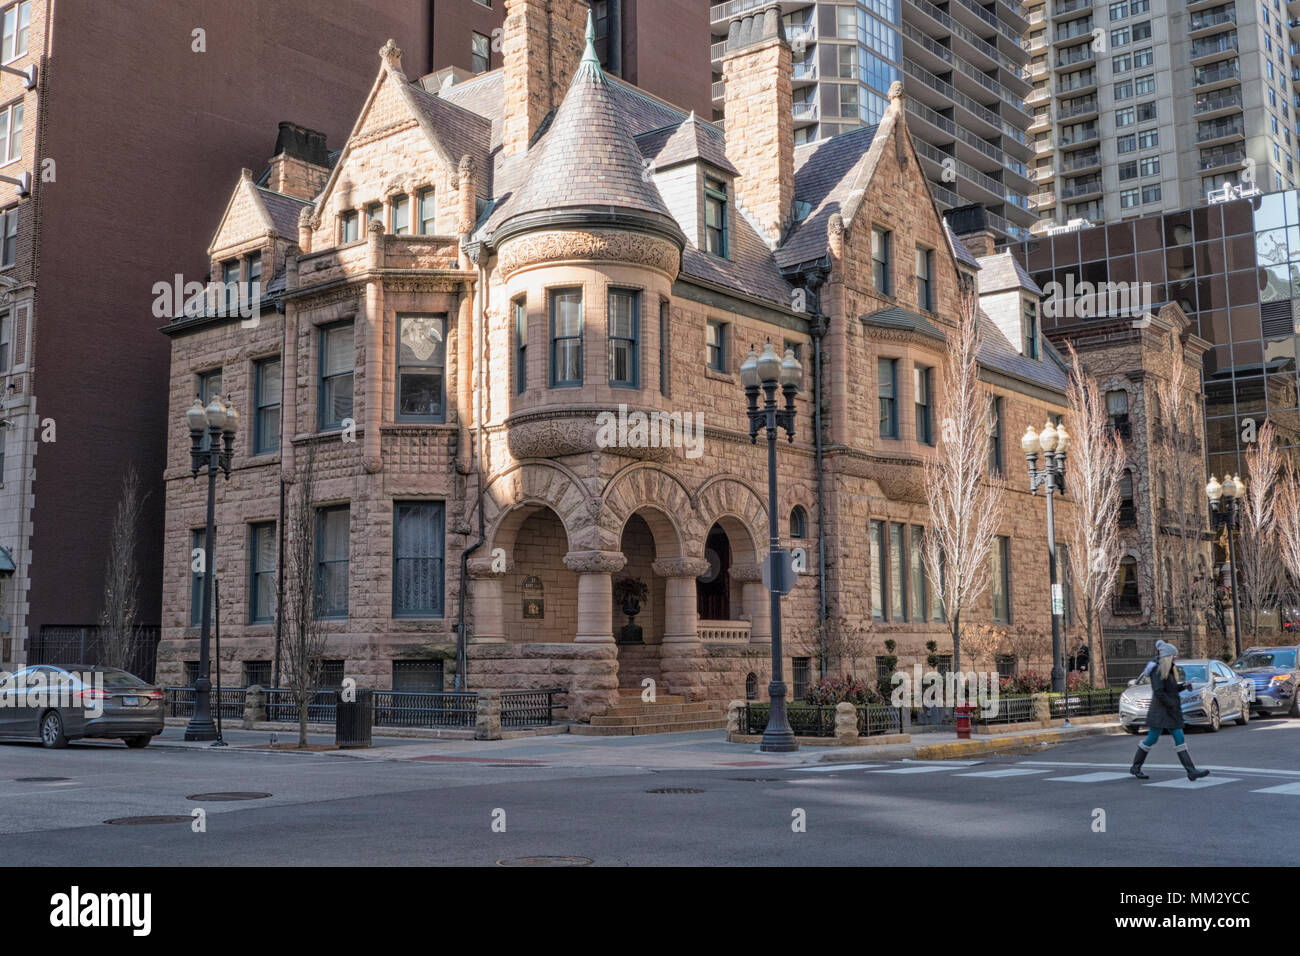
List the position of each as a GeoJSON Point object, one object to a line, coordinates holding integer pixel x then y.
{"type": "Point", "coordinates": [630, 592]}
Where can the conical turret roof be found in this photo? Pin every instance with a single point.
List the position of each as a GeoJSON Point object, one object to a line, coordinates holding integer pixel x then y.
{"type": "Point", "coordinates": [587, 162]}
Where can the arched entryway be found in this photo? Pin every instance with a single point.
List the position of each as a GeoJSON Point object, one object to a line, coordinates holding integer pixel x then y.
{"type": "Point", "coordinates": [728, 595]}
{"type": "Point", "coordinates": [524, 593]}
{"type": "Point", "coordinates": [713, 587]}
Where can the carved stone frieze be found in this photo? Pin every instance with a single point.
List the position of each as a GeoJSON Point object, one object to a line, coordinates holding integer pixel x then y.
{"type": "Point", "coordinates": [595, 562]}
{"type": "Point", "coordinates": [538, 248]}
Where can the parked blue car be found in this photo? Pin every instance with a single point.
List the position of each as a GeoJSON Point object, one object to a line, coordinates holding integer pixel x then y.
{"type": "Point", "coordinates": [1275, 672]}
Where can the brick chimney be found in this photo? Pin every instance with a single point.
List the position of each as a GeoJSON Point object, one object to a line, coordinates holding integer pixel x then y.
{"type": "Point", "coordinates": [301, 163]}
{"type": "Point", "coordinates": [541, 47]}
{"type": "Point", "coordinates": [756, 67]}
{"type": "Point", "coordinates": [970, 225]}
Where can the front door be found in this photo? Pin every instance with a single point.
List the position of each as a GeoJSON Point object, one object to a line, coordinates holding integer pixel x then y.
{"type": "Point", "coordinates": [713, 587]}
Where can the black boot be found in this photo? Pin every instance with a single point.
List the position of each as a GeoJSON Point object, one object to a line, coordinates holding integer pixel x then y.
{"type": "Point", "coordinates": [1186, 760]}
{"type": "Point", "coordinates": [1138, 758]}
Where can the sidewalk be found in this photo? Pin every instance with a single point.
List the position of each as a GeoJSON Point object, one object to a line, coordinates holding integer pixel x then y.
{"type": "Point", "coordinates": [694, 750]}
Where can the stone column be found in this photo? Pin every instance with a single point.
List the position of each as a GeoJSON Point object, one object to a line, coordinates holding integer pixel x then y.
{"type": "Point", "coordinates": [371, 458]}
{"type": "Point", "coordinates": [595, 570]}
{"type": "Point", "coordinates": [487, 601]}
{"type": "Point", "coordinates": [757, 601]}
{"type": "Point", "coordinates": [680, 618]}
{"type": "Point", "coordinates": [487, 719]}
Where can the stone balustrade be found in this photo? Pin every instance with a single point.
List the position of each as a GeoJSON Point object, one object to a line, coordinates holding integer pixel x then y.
{"type": "Point", "coordinates": [723, 632]}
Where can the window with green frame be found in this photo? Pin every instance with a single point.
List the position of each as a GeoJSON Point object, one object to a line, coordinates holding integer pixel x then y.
{"type": "Point", "coordinates": [624, 330]}
{"type": "Point", "coordinates": [332, 561]}
{"type": "Point", "coordinates": [418, 558]}
{"type": "Point", "coordinates": [716, 240]}
{"type": "Point", "coordinates": [337, 360]}
{"type": "Point", "coordinates": [262, 552]}
{"type": "Point", "coordinates": [566, 338]}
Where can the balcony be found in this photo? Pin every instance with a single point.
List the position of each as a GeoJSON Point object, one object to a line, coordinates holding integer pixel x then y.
{"type": "Point", "coordinates": [722, 632]}
{"type": "Point", "coordinates": [1082, 160]}
{"type": "Point", "coordinates": [1209, 20]}
{"type": "Point", "coordinates": [1042, 200]}
{"type": "Point", "coordinates": [1224, 72]}
{"type": "Point", "coordinates": [1077, 134]}
{"type": "Point", "coordinates": [1213, 47]}
{"type": "Point", "coordinates": [1082, 188]}
{"type": "Point", "coordinates": [1221, 156]}
{"type": "Point", "coordinates": [1070, 6]}
{"type": "Point", "coordinates": [1218, 101]}
{"type": "Point", "coordinates": [805, 114]}
{"type": "Point", "coordinates": [1079, 82]}
{"type": "Point", "coordinates": [1072, 30]}
{"type": "Point", "coordinates": [805, 71]}
{"type": "Point", "coordinates": [719, 91]}
{"type": "Point", "coordinates": [1071, 56]}
{"type": "Point", "coordinates": [1214, 131]}
{"type": "Point", "coordinates": [1077, 109]}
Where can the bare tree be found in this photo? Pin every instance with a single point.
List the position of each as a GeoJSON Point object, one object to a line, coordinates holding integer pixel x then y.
{"type": "Point", "coordinates": [117, 618]}
{"type": "Point", "coordinates": [966, 502]}
{"type": "Point", "coordinates": [1026, 644]}
{"type": "Point", "coordinates": [1096, 470]}
{"type": "Point", "coordinates": [303, 644]}
{"type": "Point", "coordinates": [834, 639]}
{"type": "Point", "coordinates": [1259, 573]}
{"type": "Point", "coordinates": [1177, 457]}
{"type": "Point", "coordinates": [984, 643]}
{"type": "Point", "coordinates": [1286, 519]}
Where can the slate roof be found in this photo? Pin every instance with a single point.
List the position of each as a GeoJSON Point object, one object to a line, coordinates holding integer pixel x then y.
{"type": "Point", "coordinates": [998, 354]}
{"type": "Point", "coordinates": [460, 131]}
{"type": "Point", "coordinates": [960, 250]}
{"type": "Point", "coordinates": [283, 210]}
{"type": "Point", "coordinates": [896, 317]}
{"type": "Point", "coordinates": [824, 176]}
{"type": "Point", "coordinates": [1001, 272]}
{"type": "Point", "coordinates": [686, 142]}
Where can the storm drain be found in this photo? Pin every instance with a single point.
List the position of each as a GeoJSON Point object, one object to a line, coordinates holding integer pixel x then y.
{"type": "Point", "coordinates": [232, 795]}
{"type": "Point", "coordinates": [545, 861]}
{"type": "Point", "coordinates": [40, 779]}
{"type": "Point", "coordinates": [145, 821]}
{"type": "Point", "coordinates": [675, 790]}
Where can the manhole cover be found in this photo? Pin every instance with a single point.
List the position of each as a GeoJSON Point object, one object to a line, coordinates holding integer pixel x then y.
{"type": "Point", "coordinates": [675, 790]}
{"type": "Point", "coordinates": [40, 779]}
{"type": "Point", "coordinates": [546, 861]}
{"type": "Point", "coordinates": [233, 795]}
{"type": "Point", "coordinates": [144, 821]}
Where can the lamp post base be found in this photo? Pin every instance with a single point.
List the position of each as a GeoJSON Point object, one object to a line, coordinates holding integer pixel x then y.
{"type": "Point", "coordinates": [200, 729]}
{"type": "Point", "coordinates": [778, 742]}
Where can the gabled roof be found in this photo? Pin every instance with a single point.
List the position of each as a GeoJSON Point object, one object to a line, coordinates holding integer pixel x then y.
{"type": "Point", "coordinates": [587, 159]}
{"type": "Point", "coordinates": [1001, 272]}
{"type": "Point", "coordinates": [686, 142]}
{"type": "Point", "coordinates": [825, 176]}
{"type": "Point", "coordinates": [283, 210]}
{"type": "Point", "coordinates": [460, 131]}
{"type": "Point", "coordinates": [278, 212]}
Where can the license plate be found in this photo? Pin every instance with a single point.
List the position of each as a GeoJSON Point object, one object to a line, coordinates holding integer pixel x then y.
{"type": "Point", "coordinates": [131, 701]}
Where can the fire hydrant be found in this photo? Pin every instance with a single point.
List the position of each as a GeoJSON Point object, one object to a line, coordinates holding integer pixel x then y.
{"type": "Point", "coordinates": [963, 721]}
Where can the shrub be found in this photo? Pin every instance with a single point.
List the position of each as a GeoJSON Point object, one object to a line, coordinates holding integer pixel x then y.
{"type": "Point", "coordinates": [834, 690]}
{"type": "Point", "coordinates": [1026, 682]}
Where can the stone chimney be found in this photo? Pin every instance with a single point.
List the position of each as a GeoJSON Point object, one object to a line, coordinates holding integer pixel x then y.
{"type": "Point", "coordinates": [542, 45]}
{"type": "Point", "coordinates": [969, 224]}
{"type": "Point", "coordinates": [301, 164]}
{"type": "Point", "coordinates": [756, 67]}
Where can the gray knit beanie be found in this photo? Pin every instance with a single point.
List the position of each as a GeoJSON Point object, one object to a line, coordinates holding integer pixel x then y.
{"type": "Point", "coordinates": [1165, 649]}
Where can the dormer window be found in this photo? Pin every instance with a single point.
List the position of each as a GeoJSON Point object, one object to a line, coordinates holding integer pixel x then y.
{"type": "Point", "coordinates": [715, 217]}
{"type": "Point", "coordinates": [1029, 328]}
{"type": "Point", "coordinates": [348, 226]}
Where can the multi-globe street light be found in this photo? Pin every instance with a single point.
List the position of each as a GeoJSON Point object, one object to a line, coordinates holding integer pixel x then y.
{"type": "Point", "coordinates": [218, 422]}
{"type": "Point", "coordinates": [1053, 442]}
{"type": "Point", "coordinates": [767, 372]}
{"type": "Point", "coordinates": [1225, 512]}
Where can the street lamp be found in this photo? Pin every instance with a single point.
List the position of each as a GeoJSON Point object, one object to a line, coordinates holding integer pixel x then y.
{"type": "Point", "coordinates": [1225, 512]}
{"type": "Point", "coordinates": [218, 422]}
{"type": "Point", "coordinates": [1054, 442]}
{"type": "Point", "coordinates": [769, 372]}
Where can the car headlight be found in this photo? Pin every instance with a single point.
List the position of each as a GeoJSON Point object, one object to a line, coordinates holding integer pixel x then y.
{"type": "Point", "coordinates": [1280, 679]}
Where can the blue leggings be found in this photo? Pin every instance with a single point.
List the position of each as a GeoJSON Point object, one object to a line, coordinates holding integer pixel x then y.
{"type": "Point", "coordinates": [1155, 733]}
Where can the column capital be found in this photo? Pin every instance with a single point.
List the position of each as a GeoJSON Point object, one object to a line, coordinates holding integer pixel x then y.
{"type": "Point", "coordinates": [680, 567]}
{"type": "Point", "coordinates": [595, 562]}
{"type": "Point", "coordinates": [746, 572]}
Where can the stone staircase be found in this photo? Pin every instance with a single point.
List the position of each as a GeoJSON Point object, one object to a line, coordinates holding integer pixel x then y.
{"type": "Point", "coordinates": [669, 714]}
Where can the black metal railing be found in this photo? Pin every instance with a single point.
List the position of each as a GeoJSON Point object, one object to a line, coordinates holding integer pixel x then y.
{"type": "Point", "coordinates": [1086, 703]}
{"type": "Point", "coordinates": [282, 707]}
{"type": "Point", "coordinates": [529, 708]}
{"type": "Point", "coordinates": [395, 708]}
{"type": "Point", "coordinates": [1007, 710]}
{"type": "Point", "coordinates": [818, 720]}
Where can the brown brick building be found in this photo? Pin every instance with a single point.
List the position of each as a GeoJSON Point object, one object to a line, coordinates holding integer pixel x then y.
{"type": "Point", "coordinates": [491, 268]}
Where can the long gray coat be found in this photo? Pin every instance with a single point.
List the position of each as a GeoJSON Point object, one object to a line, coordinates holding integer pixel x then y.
{"type": "Point", "coordinates": [1166, 709]}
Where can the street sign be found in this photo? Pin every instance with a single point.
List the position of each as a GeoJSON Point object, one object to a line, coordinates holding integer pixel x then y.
{"type": "Point", "coordinates": [1058, 599]}
{"type": "Point", "coordinates": [778, 575]}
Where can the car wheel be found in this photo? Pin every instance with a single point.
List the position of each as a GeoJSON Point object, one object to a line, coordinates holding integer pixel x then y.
{"type": "Point", "coordinates": [1243, 718]}
{"type": "Point", "coordinates": [138, 742]}
{"type": "Point", "coordinates": [52, 735]}
{"type": "Point", "coordinates": [1133, 728]}
{"type": "Point", "coordinates": [1294, 709]}
{"type": "Point", "coordinates": [1215, 722]}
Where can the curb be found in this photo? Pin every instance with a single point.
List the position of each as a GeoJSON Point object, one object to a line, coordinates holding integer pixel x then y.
{"type": "Point", "coordinates": [966, 748]}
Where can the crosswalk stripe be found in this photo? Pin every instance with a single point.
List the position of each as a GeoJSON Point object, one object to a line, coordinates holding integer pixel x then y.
{"type": "Point", "coordinates": [1290, 789]}
{"type": "Point", "coordinates": [838, 766]}
{"type": "Point", "coordinates": [1090, 777]}
{"type": "Point", "coordinates": [1004, 772]}
{"type": "Point", "coordinates": [921, 769]}
{"type": "Point", "coordinates": [1182, 783]}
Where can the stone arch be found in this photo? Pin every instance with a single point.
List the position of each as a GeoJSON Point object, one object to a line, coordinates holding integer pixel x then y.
{"type": "Point", "coordinates": [534, 484]}
{"type": "Point", "coordinates": [658, 496]}
{"type": "Point", "coordinates": [731, 502]}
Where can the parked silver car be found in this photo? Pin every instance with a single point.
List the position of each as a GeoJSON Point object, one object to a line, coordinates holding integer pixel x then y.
{"type": "Point", "coordinates": [1218, 693]}
{"type": "Point", "coordinates": [57, 704]}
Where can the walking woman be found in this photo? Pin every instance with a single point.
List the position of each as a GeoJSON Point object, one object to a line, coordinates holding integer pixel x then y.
{"type": "Point", "coordinates": [1165, 714]}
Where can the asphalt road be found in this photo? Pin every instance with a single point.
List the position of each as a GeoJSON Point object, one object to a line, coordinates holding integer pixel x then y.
{"type": "Point", "coordinates": [330, 809]}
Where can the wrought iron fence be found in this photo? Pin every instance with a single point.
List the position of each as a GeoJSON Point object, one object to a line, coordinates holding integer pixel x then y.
{"type": "Point", "coordinates": [281, 706]}
{"type": "Point", "coordinates": [1092, 703]}
{"type": "Point", "coordinates": [1008, 710]}
{"type": "Point", "coordinates": [818, 720]}
{"type": "Point", "coordinates": [414, 709]}
{"type": "Point", "coordinates": [529, 708]}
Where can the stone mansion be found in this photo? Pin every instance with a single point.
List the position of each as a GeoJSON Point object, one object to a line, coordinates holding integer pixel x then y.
{"type": "Point", "coordinates": [449, 302]}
